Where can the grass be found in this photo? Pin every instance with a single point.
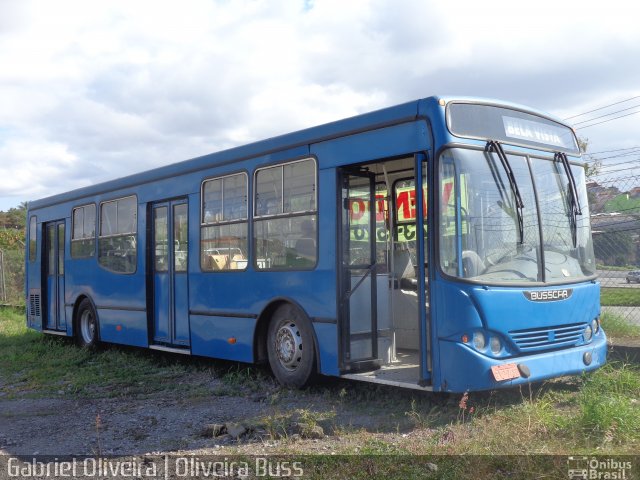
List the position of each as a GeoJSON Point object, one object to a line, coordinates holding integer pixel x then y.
{"type": "Point", "coordinates": [596, 413]}
{"type": "Point", "coordinates": [620, 297]}
{"type": "Point", "coordinates": [503, 434]}
{"type": "Point", "coordinates": [617, 326]}
{"type": "Point", "coordinates": [616, 268]}
{"type": "Point", "coordinates": [34, 364]}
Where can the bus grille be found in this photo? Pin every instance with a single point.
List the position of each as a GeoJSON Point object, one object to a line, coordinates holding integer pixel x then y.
{"type": "Point", "coordinates": [546, 338]}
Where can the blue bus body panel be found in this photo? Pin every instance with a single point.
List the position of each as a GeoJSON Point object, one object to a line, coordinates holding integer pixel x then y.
{"type": "Point", "coordinates": [326, 342]}
{"type": "Point", "coordinates": [51, 312]}
{"type": "Point", "coordinates": [388, 142]}
{"type": "Point", "coordinates": [181, 309]}
{"type": "Point", "coordinates": [468, 370]}
{"type": "Point", "coordinates": [500, 308]}
{"type": "Point", "coordinates": [125, 327]}
{"type": "Point", "coordinates": [462, 308]}
{"type": "Point", "coordinates": [160, 302]}
{"type": "Point", "coordinates": [210, 337]}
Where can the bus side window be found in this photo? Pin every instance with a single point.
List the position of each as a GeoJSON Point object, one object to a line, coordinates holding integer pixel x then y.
{"type": "Point", "coordinates": [117, 246]}
{"type": "Point", "coordinates": [224, 229]}
{"type": "Point", "coordinates": [285, 225]}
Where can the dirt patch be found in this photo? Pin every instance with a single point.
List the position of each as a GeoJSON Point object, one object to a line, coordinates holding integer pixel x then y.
{"type": "Point", "coordinates": [167, 422]}
{"type": "Point", "coordinates": [247, 414]}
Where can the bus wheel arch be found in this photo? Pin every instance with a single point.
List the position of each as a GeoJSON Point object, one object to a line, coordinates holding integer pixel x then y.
{"type": "Point", "coordinates": [286, 339]}
{"type": "Point", "coordinates": [85, 322]}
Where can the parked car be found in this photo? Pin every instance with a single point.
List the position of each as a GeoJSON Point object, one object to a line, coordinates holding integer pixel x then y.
{"type": "Point", "coordinates": [633, 276]}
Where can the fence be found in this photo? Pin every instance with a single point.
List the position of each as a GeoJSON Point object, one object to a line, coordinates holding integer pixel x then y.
{"type": "Point", "coordinates": [12, 277]}
{"type": "Point", "coordinates": [614, 199]}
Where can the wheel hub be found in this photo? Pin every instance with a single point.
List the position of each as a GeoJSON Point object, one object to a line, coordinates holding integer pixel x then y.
{"type": "Point", "coordinates": [87, 326]}
{"type": "Point", "coordinates": [289, 346]}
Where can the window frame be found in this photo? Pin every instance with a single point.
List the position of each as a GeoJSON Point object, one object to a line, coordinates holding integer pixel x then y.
{"type": "Point", "coordinates": [95, 230]}
{"type": "Point", "coordinates": [282, 213]}
{"type": "Point", "coordinates": [223, 222]}
{"type": "Point", "coordinates": [119, 234]}
{"type": "Point", "coordinates": [532, 154]}
{"type": "Point", "coordinates": [302, 213]}
{"type": "Point", "coordinates": [33, 238]}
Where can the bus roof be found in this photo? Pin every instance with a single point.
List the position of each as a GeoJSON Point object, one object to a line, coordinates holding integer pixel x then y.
{"type": "Point", "coordinates": [402, 113]}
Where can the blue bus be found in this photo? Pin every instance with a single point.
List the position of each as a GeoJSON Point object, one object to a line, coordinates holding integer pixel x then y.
{"type": "Point", "coordinates": [443, 244]}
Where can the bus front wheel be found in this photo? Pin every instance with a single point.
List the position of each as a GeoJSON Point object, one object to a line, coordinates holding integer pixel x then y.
{"type": "Point", "coordinates": [87, 325]}
{"type": "Point", "coordinates": [290, 347]}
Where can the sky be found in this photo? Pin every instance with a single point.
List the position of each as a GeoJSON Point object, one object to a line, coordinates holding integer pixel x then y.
{"type": "Point", "coordinates": [95, 90]}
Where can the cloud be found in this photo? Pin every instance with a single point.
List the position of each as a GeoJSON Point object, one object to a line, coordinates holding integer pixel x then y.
{"type": "Point", "coordinates": [123, 86]}
{"type": "Point", "coordinates": [35, 165]}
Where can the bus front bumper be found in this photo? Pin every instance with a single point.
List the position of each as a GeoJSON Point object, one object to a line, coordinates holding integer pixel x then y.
{"type": "Point", "coordinates": [465, 369]}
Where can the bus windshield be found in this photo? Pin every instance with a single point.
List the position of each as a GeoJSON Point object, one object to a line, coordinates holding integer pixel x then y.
{"type": "Point", "coordinates": [479, 222]}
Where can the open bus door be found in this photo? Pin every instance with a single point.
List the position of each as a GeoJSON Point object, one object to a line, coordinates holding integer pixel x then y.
{"type": "Point", "coordinates": [384, 290]}
{"type": "Point", "coordinates": [358, 286]}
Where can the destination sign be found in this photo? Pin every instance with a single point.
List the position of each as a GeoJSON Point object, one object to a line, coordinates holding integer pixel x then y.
{"type": "Point", "coordinates": [509, 125]}
{"type": "Point", "coordinates": [536, 132]}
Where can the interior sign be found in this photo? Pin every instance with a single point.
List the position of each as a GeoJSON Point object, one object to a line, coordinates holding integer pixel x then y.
{"type": "Point", "coordinates": [534, 131]}
{"type": "Point", "coordinates": [548, 295]}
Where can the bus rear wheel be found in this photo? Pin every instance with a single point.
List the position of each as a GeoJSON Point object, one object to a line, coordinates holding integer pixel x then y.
{"type": "Point", "coordinates": [87, 325]}
{"type": "Point", "coordinates": [290, 347]}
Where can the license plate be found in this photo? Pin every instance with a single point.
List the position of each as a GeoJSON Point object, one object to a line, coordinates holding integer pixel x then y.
{"type": "Point", "coordinates": [506, 371]}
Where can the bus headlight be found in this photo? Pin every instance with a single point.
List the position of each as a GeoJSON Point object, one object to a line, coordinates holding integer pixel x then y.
{"type": "Point", "coordinates": [588, 333]}
{"type": "Point", "coordinates": [495, 344]}
{"type": "Point", "coordinates": [479, 341]}
{"type": "Point", "coordinates": [595, 325]}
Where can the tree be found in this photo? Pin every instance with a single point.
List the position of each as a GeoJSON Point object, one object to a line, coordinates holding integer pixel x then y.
{"type": "Point", "coordinates": [14, 218]}
{"type": "Point", "coordinates": [592, 168]}
{"type": "Point", "coordinates": [614, 248]}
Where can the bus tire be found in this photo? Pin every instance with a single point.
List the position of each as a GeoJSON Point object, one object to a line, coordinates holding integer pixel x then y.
{"type": "Point", "coordinates": [290, 347]}
{"type": "Point", "coordinates": [87, 331]}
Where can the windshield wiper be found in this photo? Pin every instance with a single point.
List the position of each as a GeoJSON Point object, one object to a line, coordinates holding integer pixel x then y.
{"type": "Point", "coordinates": [496, 147]}
{"type": "Point", "coordinates": [574, 208]}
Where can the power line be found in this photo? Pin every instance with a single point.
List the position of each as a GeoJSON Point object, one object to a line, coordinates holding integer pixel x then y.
{"type": "Point", "coordinates": [616, 171]}
{"type": "Point", "coordinates": [609, 151]}
{"type": "Point", "coordinates": [611, 165]}
{"type": "Point", "coordinates": [598, 159]}
{"type": "Point", "coordinates": [602, 108]}
{"type": "Point", "coordinates": [605, 121]}
{"type": "Point", "coordinates": [606, 115]}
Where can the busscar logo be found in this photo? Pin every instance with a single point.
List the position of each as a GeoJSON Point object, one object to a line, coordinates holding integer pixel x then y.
{"type": "Point", "coordinates": [548, 295]}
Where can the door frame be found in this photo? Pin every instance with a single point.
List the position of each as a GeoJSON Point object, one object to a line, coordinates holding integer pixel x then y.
{"type": "Point", "coordinates": [59, 322]}
{"type": "Point", "coordinates": [423, 166]}
{"type": "Point", "coordinates": [347, 364]}
{"type": "Point", "coordinates": [171, 273]}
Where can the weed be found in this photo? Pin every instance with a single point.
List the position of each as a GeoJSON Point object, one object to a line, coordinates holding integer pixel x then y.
{"type": "Point", "coordinates": [422, 420]}
{"type": "Point", "coordinates": [609, 408]}
{"type": "Point", "coordinates": [98, 427]}
{"type": "Point", "coordinates": [462, 405]}
{"type": "Point", "coordinates": [276, 425]}
{"type": "Point", "coordinates": [241, 378]}
{"type": "Point", "coordinates": [376, 446]}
